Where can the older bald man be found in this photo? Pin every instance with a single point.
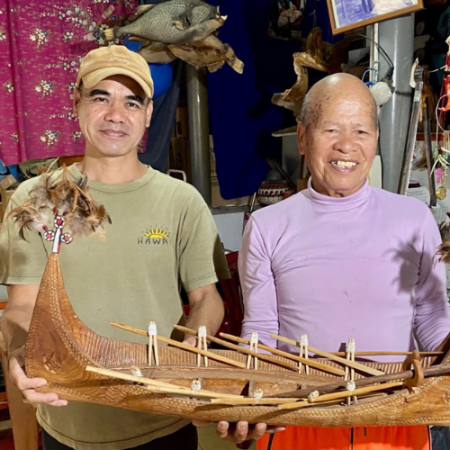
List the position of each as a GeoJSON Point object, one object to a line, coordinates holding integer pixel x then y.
{"type": "Point", "coordinates": [344, 260]}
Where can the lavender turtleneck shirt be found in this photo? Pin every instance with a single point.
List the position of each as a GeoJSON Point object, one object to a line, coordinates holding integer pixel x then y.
{"type": "Point", "coordinates": [361, 267]}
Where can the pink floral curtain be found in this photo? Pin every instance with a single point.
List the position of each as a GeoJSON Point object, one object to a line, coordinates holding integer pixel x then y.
{"type": "Point", "coordinates": [41, 46]}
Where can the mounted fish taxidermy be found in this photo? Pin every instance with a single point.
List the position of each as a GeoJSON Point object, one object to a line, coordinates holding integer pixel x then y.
{"type": "Point", "coordinates": [319, 55]}
{"type": "Point", "coordinates": [185, 29]}
{"type": "Point", "coordinates": [172, 22]}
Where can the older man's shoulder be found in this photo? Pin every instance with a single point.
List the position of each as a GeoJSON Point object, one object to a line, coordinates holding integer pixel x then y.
{"type": "Point", "coordinates": [401, 204]}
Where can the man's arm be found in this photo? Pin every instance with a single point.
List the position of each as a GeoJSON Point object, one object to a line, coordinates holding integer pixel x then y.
{"type": "Point", "coordinates": [258, 286]}
{"type": "Point", "coordinates": [15, 323]}
{"type": "Point", "coordinates": [432, 317]}
{"type": "Point", "coordinates": [261, 315]}
{"type": "Point", "coordinates": [206, 309]}
{"type": "Point", "coordinates": [16, 318]}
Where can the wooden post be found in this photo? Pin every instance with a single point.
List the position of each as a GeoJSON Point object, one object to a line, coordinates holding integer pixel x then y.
{"type": "Point", "coordinates": [304, 353]}
{"type": "Point", "coordinates": [152, 343]}
{"type": "Point", "coordinates": [253, 348]}
{"type": "Point", "coordinates": [350, 371]}
{"type": "Point", "coordinates": [202, 345]}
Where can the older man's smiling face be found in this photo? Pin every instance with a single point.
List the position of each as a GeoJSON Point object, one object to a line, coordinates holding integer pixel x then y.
{"type": "Point", "coordinates": [340, 140]}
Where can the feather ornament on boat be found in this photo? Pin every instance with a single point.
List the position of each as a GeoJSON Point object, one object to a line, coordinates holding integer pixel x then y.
{"type": "Point", "coordinates": [57, 193]}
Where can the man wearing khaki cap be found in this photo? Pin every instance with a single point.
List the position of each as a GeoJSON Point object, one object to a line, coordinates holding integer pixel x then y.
{"type": "Point", "coordinates": [162, 232]}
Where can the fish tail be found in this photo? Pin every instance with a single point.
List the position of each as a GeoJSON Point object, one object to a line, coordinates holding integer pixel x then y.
{"type": "Point", "coordinates": [237, 65]}
{"type": "Point", "coordinates": [233, 61]}
{"type": "Point", "coordinates": [111, 33]}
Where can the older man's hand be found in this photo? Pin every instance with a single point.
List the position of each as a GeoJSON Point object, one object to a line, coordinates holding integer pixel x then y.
{"type": "Point", "coordinates": [241, 431]}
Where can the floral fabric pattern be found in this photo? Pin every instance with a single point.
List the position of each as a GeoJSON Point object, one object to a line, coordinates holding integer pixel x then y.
{"type": "Point", "coordinates": [41, 48]}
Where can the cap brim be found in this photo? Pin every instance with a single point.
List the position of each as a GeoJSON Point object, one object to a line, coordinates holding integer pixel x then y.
{"type": "Point", "coordinates": [93, 78]}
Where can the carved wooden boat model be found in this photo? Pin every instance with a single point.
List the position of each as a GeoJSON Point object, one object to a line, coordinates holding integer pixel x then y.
{"type": "Point", "coordinates": [60, 348]}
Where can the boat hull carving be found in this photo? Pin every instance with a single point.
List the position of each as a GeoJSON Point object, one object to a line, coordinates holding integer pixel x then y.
{"type": "Point", "coordinates": [60, 347]}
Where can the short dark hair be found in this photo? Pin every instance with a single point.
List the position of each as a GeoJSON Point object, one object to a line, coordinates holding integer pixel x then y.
{"type": "Point", "coordinates": [80, 88]}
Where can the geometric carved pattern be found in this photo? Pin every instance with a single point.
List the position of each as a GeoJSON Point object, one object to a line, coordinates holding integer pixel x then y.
{"type": "Point", "coordinates": [52, 364]}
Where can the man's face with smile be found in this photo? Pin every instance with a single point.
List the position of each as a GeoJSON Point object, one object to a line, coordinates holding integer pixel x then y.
{"type": "Point", "coordinates": [113, 116]}
{"type": "Point", "coordinates": [340, 141]}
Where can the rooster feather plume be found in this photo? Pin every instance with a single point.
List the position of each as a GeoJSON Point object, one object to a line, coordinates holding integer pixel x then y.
{"type": "Point", "coordinates": [57, 193]}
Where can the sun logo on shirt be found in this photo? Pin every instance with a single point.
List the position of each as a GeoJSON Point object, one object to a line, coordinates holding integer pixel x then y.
{"type": "Point", "coordinates": [156, 233]}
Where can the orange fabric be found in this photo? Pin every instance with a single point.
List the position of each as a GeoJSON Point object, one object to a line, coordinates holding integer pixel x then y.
{"type": "Point", "coordinates": [370, 438]}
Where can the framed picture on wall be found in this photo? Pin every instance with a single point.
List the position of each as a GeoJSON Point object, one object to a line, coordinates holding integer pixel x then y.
{"type": "Point", "coordinates": [346, 15]}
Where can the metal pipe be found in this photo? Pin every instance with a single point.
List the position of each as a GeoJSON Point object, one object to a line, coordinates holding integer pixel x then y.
{"type": "Point", "coordinates": [396, 36]}
{"type": "Point", "coordinates": [374, 53]}
{"type": "Point", "coordinates": [429, 155]}
{"type": "Point", "coordinates": [412, 132]}
{"type": "Point", "coordinates": [199, 131]}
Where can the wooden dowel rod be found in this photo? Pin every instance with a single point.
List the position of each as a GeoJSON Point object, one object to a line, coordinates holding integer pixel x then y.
{"type": "Point", "coordinates": [356, 392]}
{"type": "Point", "coordinates": [341, 395]}
{"type": "Point", "coordinates": [433, 371]}
{"type": "Point", "coordinates": [130, 377]}
{"type": "Point", "coordinates": [188, 393]}
{"type": "Point", "coordinates": [157, 386]}
{"type": "Point", "coordinates": [278, 401]}
{"type": "Point", "coordinates": [275, 351]}
{"type": "Point", "coordinates": [383, 353]}
{"type": "Point", "coordinates": [226, 344]}
{"type": "Point", "coordinates": [235, 338]}
{"type": "Point", "coordinates": [252, 401]}
{"type": "Point", "coordinates": [207, 353]}
{"type": "Point", "coordinates": [345, 362]}
{"type": "Point", "coordinates": [187, 347]}
{"type": "Point", "coordinates": [128, 328]}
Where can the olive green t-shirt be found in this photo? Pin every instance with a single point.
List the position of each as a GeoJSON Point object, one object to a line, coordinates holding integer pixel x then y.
{"type": "Point", "coordinates": [162, 235]}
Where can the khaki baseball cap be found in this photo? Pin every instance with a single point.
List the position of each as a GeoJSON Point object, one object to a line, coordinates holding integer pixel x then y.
{"type": "Point", "coordinates": [106, 62]}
